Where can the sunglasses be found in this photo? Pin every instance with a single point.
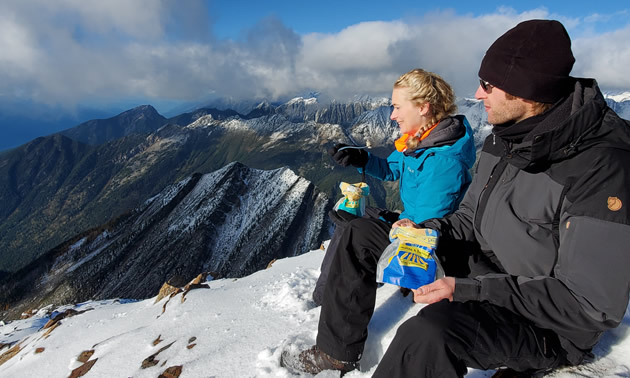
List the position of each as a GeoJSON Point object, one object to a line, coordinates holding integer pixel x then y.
{"type": "Point", "coordinates": [485, 85]}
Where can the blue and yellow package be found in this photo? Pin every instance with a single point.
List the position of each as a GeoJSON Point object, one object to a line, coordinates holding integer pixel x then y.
{"type": "Point", "coordinates": [410, 261]}
{"type": "Point", "coordinates": [353, 200]}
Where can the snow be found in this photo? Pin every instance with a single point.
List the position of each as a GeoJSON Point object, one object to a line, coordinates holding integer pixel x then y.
{"type": "Point", "coordinates": [619, 97]}
{"type": "Point", "coordinates": [239, 326]}
{"type": "Point", "coordinates": [305, 101]}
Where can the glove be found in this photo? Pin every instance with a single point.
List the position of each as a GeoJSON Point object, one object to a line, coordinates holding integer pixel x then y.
{"type": "Point", "coordinates": [348, 156]}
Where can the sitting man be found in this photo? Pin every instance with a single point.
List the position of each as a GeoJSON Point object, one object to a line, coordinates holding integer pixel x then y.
{"type": "Point", "coordinates": [538, 244]}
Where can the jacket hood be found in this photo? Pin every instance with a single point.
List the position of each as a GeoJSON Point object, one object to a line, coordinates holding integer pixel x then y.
{"type": "Point", "coordinates": [451, 137]}
{"type": "Point", "coordinates": [571, 126]}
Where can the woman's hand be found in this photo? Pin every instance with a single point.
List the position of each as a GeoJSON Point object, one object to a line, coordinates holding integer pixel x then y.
{"type": "Point", "coordinates": [435, 291]}
{"type": "Point", "coordinates": [404, 223]}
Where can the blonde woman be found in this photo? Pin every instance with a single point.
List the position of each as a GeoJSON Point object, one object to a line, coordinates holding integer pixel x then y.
{"type": "Point", "coordinates": [432, 162]}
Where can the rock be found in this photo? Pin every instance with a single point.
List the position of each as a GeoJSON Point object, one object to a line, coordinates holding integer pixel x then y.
{"type": "Point", "coordinates": [151, 360]}
{"type": "Point", "coordinates": [9, 354]}
{"type": "Point", "coordinates": [39, 350]}
{"type": "Point", "coordinates": [62, 315]}
{"type": "Point", "coordinates": [172, 372]}
{"type": "Point", "coordinates": [83, 369]}
{"type": "Point", "coordinates": [166, 290]}
{"type": "Point", "coordinates": [85, 355]}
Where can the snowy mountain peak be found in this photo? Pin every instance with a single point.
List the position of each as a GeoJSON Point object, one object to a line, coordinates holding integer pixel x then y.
{"type": "Point", "coordinates": [618, 97]}
{"type": "Point", "coordinates": [305, 101]}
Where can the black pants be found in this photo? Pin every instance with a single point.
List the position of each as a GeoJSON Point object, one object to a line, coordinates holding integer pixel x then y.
{"type": "Point", "coordinates": [446, 337]}
{"type": "Point", "coordinates": [441, 340]}
{"type": "Point", "coordinates": [350, 291]}
{"type": "Point", "coordinates": [341, 219]}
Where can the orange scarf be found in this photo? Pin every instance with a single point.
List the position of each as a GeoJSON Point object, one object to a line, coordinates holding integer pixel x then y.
{"type": "Point", "coordinates": [401, 143]}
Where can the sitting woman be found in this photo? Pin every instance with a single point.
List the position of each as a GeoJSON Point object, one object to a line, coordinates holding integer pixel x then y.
{"type": "Point", "coordinates": [431, 161]}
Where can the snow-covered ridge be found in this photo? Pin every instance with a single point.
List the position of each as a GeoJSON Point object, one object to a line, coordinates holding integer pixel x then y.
{"type": "Point", "coordinates": [619, 97]}
{"type": "Point", "coordinates": [305, 101]}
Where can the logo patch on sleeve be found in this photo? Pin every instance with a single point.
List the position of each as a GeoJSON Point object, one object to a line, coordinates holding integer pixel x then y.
{"type": "Point", "coordinates": [614, 204]}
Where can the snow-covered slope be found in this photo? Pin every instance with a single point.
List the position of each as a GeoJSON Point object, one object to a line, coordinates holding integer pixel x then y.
{"type": "Point", "coordinates": [231, 328]}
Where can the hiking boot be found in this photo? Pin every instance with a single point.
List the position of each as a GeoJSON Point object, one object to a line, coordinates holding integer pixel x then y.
{"type": "Point", "coordinates": [314, 361]}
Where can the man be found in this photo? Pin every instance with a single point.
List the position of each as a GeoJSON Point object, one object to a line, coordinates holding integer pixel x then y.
{"type": "Point", "coordinates": [545, 222]}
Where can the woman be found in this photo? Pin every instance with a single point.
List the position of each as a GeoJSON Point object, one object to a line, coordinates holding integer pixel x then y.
{"type": "Point", "coordinates": [431, 161]}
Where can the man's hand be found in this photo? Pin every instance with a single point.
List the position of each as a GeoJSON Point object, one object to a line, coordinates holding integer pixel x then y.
{"type": "Point", "coordinates": [435, 291]}
{"type": "Point", "coordinates": [404, 223]}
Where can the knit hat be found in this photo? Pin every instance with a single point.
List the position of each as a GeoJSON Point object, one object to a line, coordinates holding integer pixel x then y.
{"type": "Point", "coordinates": [532, 61]}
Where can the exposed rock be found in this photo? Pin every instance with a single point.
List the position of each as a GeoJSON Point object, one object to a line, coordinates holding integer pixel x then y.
{"type": "Point", "coordinates": [9, 354]}
{"type": "Point", "coordinates": [271, 263]}
{"type": "Point", "coordinates": [40, 350]}
{"type": "Point", "coordinates": [172, 372]}
{"type": "Point", "coordinates": [28, 314]}
{"type": "Point", "coordinates": [50, 329]}
{"type": "Point", "coordinates": [62, 315]}
{"type": "Point", "coordinates": [157, 340]}
{"type": "Point", "coordinates": [165, 291]}
{"type": "Point", "coordinates": [151, 360]}
{"type": "Point", "coordinates": [83, 369]}
{"type": "Point", "coordinates": [85, 355]}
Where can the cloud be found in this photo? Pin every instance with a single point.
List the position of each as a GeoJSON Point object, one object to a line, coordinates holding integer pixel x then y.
{"type": "Point", "coordinates": [605, 57]}
{"type": "Point", "coordinates": [72, 50]}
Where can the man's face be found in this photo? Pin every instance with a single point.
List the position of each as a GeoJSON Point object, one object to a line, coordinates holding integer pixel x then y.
{"type": "Point", "coordinates": [502, 109]}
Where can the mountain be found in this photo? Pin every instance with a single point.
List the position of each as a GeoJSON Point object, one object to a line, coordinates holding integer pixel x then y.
{"type": "Point", "coordinates": [140, 120]}
{"type": "Point", "coordinates": [231, 222]}
{"type": "Point", "coordinates": [224, 328]}
{"type": "Point", "coordinates": [619, 102]}
{"type": "Point", "coordinates": [55, 187]}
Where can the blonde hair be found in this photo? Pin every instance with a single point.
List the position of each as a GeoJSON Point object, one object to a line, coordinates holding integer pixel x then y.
{"type": "Point", "coordinates": [428, 87]}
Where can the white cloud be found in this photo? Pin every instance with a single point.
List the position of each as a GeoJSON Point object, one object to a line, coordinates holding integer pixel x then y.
{"type": "Point", "coordinates": [70, 50]}
{"type": "Point", "coordinates": [605, 57]}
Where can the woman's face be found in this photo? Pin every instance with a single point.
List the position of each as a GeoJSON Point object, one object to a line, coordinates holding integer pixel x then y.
{"type": "Point", "coordinates": [407, 114]}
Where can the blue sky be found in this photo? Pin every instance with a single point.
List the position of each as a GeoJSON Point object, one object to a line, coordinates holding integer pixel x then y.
{"type": "Point", "coordinates": [63, 62]}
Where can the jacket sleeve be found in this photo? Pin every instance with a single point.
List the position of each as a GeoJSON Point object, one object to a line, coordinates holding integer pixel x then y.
{"type": "Point", "coordinates": [587, 291]}
{"type": "Point", "coordinates": [459, 224]}
{"type": "Point", "coordinates": [587, 295]}
{"type": "Point", "coordinates": [383, 169]}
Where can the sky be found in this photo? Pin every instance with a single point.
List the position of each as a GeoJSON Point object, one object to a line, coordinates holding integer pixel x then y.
{"type": "Point", "coordinates": [233, 328]}
{"type": "Point", "coordinates": [67, 61]}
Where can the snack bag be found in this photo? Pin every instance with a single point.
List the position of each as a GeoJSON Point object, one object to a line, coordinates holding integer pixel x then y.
{"type": "Point", "coordinates": [353, 200]}
{"type": "Point", "coordinates": [410, 261]}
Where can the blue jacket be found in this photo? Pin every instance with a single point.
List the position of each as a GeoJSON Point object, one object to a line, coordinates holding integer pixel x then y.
{"type": "Point", "coordinates": [433, 178]}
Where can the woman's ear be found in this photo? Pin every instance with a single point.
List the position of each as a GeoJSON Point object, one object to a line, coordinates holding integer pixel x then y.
{"type": "Point", "coordinates": [425, 109]}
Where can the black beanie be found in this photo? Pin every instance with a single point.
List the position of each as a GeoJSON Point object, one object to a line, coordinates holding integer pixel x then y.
{"type": "Point", "coordinates": [532, 61]}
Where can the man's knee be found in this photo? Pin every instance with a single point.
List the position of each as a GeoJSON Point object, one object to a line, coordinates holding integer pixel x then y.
{"type": "Point", "coordinates": [431, 323]}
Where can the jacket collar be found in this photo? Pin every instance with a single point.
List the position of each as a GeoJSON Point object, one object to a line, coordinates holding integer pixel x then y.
{"type": "Point", "coordinates": [563, 130]}
{"type": "Point", "coordinates": [446, 132]}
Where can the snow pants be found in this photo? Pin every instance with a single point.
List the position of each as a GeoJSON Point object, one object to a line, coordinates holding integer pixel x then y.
{"type": "Point", "coordinates": [443, 339]}
{"type": "Point", "coordinates": [341, 219]}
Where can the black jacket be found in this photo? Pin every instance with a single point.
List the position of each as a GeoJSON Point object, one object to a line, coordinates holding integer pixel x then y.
{"type": "Point", "coordinates": [553, 212]}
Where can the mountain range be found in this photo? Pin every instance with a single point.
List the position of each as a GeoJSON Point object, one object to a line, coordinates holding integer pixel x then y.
{"type": "Point", "coordinates": [112, 207]}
